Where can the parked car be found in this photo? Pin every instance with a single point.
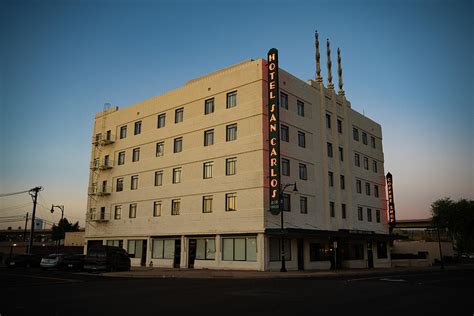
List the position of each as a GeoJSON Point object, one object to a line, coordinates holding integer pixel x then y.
{"type": "Point", "coordinates": [23, 260]}
{"type": "Point", "coordinates": [52, 261]}
{"type": "Point", "coordinates": [106, 258]}
{"type": "Point", "coordinates": [73, 262]}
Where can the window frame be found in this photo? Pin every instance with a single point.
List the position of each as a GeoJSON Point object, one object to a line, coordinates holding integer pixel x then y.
{"type": "Point", "coordinates": [229, 99]}
{"type": "Point", "coordinates": [231, 132]}
{"type": "Point", "coordinates": [179, 115]}
{"type": "Point", "coordinates": [209, 110]}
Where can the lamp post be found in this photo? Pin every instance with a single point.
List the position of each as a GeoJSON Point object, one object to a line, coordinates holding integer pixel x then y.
{"type": "Point", "coordinates": [11, 249]}
{"type": "Point", "coordinates": [61, 207]}
{"type": "Point", "coordinates": [282, 241]}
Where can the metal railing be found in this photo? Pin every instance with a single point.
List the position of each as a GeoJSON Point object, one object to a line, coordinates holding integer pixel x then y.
{"type": "Point", "coordinates": [102, 164]}
{"type": "Point", "coordinates": [103, 139]}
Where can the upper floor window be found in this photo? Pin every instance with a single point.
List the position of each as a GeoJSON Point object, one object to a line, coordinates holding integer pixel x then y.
{"type": "Point", "coordinates": [285, 167]}
{"type": "Point", "coordinates": [369, 214]}
{"type": "Point", "coordinates": [138, 127]}
{"type": "Point", "coordinates": [366, 163]}
{"type": "Point", "coordinates": [118, 212]}
{"type": "Point", "coordinates": [330, 153]}
{"type": "Point", "coordinates": [231, 99]}
{"type": "Point", "coordinates": [343, 211]}
{"type": "Point", "coordinates": [157, 208]}
{"type": "Point", "coordinates": [341, 154]}
{"type": "Point", "coordinates": [178, 145]}
{"type": "Point", "coordinates": [284, 100]}
{"type": "Point", "coordinates": [286, 202]}
{"type": "Point", "coordinates": [134, 183]}
{"type": "Point", "coordinates": [339, 126]}
{"type": "Point", "coordinates": [178, 115]}
{"type": "Point", "coordinates": [121, 158]}
{"type": "Point", "coordinates": [355, 134]}
{"type": "Point", "coordinates": [160, 149]}
{"type": "Point", "coordinates": [123, 132]}
{"type": "Point", "coordinates": [175, 206]}
{"type": "Point", "coordinates": [177, 175]}
{"type": "Point", "coordinates": [358, 186]}
{"type": "Point", "coordinates": [360, 213]}
{"type": "Point", "coordinates": [231, 132]}
{"type": "Point", "coordinates": [209, 137]}
{"type": "Point", "coordinates": [132, 213]}
{"type": "Point", "coordinates": [342, 181]}
{"type": "Point", "coordinates": [136, 154]}
{"type": "Point", "coordinates": [328, 120]}
{"type": "Point", "coordinates": [158, 178]}
{"type": "Point", "coordinates": [372, 141]}
{"type": "Point", "coordinates": [207, 169]}
{"type": "Point", "coordinates": [301, 139]}
{"type": "Point", "coordinates": [331, 178]}
{"type": "Point", "coordinates": [377, 216]}
{"type": "Point", "coordinates": [209, 106]}
{"type": "Point", "coordinates": [364, 138]}
{"type": "Point", "coordinates": [376, 190]}
{"type": "Point", "coordinates": [230, 166]}
{"type": "Point", "coordinates": [161, 120]}
{"type": "Point", "coordinates": [374, 166]}
{"type": "Point", "coordinates": [207, 204]}
{"type": "Point", "coordinates": [119, 185]}
{"type": "Point", "coordinates": [284, 133]}
{"type": "Point", "coordinates": [357, 160]}
{"type": "Point", "coordinates": [231, 201]}
{"type": "Point", "coordinates": [332, 209]}
{"type": "Point", "coordinates": [303, 205]}
{"type": "Point", "coordinates": [300, 107]}
{"type": "Point", "coordinates": [367, 188]}
{"type": "Point", "coordinates": [303, 172]}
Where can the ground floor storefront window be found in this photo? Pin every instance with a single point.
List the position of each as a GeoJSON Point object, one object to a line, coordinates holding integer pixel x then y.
{"type": "Point", "coordinates": [275, 249]}
{"type": "Point", "coordinates": [206, 249]}
{"type": "Point", "coordinates": [135, 248]}
{"type": "Point", "coordinates": [115, 243]}
{"type": "Point", "coordinates": [382, 250]}
{"type": "Point", "coordinates": [319, 252]}
{"type": "Point", "coordinates": [353, 251]}
{"type": "Point", "coordinates": [239, 248]}
{"type": "Point", "coordinates": [163, 248]}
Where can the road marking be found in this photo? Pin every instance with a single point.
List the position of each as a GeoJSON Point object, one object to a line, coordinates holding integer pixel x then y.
{"type": "Point", "coordinates": [42, 277]}
{"type": "Point", "coordinates": [392, 280]}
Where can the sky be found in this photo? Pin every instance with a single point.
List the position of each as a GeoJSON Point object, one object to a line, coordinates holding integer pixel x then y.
{"type": "Point", "coordinates": [408, 65]}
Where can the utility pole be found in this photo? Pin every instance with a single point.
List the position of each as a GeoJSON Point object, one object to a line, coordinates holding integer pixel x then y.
{"type": "Point", "coordinates": [34, 195]}
{"type": "Point", "coordinates": [26, 225]}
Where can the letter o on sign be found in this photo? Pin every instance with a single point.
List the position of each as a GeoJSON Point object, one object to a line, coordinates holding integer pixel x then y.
{"type": "Point", "coordinates": [274, 183]}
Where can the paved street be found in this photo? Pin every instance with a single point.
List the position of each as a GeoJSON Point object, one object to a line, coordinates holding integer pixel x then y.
{"type": "Point", "coordinates": [430, 292]}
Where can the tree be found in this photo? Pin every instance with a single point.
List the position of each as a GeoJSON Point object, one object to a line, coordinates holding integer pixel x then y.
{"type": "Point", "coordinates": [58, 231]}
{"type": "Point", "coordinates": [458, 219]}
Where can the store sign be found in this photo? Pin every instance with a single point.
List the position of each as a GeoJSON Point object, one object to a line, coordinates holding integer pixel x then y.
{"type": "Point", "coordinates": [391, 204]}
{"type": "Point", "coordinates": [274, 130]}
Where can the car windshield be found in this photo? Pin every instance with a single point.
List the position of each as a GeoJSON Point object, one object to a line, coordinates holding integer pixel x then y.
{"type": "Point", "coordinates": [97, 253]}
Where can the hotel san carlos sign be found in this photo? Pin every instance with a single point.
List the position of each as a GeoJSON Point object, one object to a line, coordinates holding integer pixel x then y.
{"type": "Point", "coordinates": [274, 130]}
{"type": "Point", "coordinates": [391, 203]}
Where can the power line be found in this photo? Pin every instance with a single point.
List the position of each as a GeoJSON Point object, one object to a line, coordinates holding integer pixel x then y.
{"type": "Point", "coordinates": [13, 193]}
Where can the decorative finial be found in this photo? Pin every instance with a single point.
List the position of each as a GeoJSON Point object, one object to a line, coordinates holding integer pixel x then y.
{"type": "Point", "coordinates": [319, 79]}
{"type": "Point", "coordinates": [339, 71]}
{"type": "Point", "coordinates": [328, 48]}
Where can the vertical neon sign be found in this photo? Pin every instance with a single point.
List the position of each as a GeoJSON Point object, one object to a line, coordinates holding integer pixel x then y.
{"type": "Point", "coordinates": [391, 203]}
{"type": "Point", "coordinates": [274, 130]}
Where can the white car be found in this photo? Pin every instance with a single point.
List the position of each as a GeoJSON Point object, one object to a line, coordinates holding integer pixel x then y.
{"type": "Point", "coordinates": [52, 261]}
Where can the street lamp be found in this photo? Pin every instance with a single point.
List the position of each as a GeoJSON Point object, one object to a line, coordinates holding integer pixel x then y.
{"type": "Point", "coordinates": [61, 207]}
{"type": "Point", "coordinates": [282, 241]}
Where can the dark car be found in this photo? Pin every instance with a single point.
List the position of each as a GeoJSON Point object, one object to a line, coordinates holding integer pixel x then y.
{"type": "Point", "coordinates": [73, 262]}
{"type": "Point", "coordinates": [107, 258]}
{"type": "Point", "coordinates": [23, 260]}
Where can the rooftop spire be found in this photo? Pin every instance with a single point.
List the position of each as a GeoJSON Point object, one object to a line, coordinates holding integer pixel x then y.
{"type": "Point", "coordinates": [319, 79]}
{"type": "Point", "coordinates": [328, 48]}
{"type": "Point", "coordinates": [339, 71]}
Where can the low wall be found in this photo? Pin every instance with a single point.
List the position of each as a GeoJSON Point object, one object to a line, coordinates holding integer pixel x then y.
{"type": "Point", "coordinates": [410, 263]}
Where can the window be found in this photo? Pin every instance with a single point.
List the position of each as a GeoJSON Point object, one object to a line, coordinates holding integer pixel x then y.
{"type": "Point", "coordinates": [157, 208]}
{"type": "Point", "coordinates": [136, 154]}
{"type": "Point", "coordinates": [205, 249]}
{"type": "Point", "coordinates": [123, 132]}
{"type": "Point", "coordinates": [207, 170]}
{"type": "Point", "coordinates": [360, 214]}
{"type": "Point", "coordinates": [135, 248]}
{"type": "Point", "coordinates": [301, 139]}
{"type": "Point", "coordinates": [285, 167]}
{"type": "Point", "coordinates": [178, 115]}
{"type": "Point", "coordinates": [163, 248]}
{"type": "Point", "coordinates": [357, 160]}
{"type": "Point", "coordinates": [239, 249]}
{"type": "Point", "coordinates": [175, 204]}
{"type": "Point", "coordinates": [286, 202]}
{"type": "Point", "coordinates": [343, 210]}
{"type": "Point", "coordinates": [332, 210]}
{"type": "Point", "coordinates": [230, 202]}
{"type": "Point", "coordinates": [364, 138]}
{"type": "Point", "coordinates": [134, 183]}
{"type": "Point", "coordinates": [377, 216]}
{"type": "Point", "coordinates": [160, 149]}
{"type": "Point", "coordinates": [369, 214]}
{"type": "Point", "coordinates": [107, 161]}
{"type": "Point", "coordinates": [275, 249]}
{"type": "Point", "coordinates": [209, 137]}
{"type": "Point", "coordinates": [300, 107]}
{"type": "Point", "coordinates": [285, 133]}
{"type": "Point", "coordinates": [372, 141]}
{"type": "Point", "coordinates": [231, 132]}
{"type": "Point", "coordinates": [303, 172]}
{"type": "Point", "coordinates": [376, 190]}
{"type": "Point", "coordinates": [341, 154]}
{"type": "Point", "coordinates": [230, 166]}
{"type": "Point", "coordinates": [319, 252]}
{"type": "Point", "coordinates": [115, 242]}
{"type": "Point", "coordinates": [342, 181]}
{"type": "Point", "coordinates": [382, 250]}
{"type": "Point", "coordinates": [366, 163]}
{"type": "Point", "coordinates": [330, 154]}
{"type": "Point", "coordinates": [339, 126]}
{"type": "Point", "coordinates": [209, 106]}
{"type": "Point", "coordinates": [158, 178]}
{"type": "Point", "coordinates": [121, 158]}
{"type": "Point", "coordinates": [303, 205]}
{"type": "Point", "coordinates": [132, 212]}
{"type": "Point", "coordinates": [118, 212]}
{"type": "Point", "coordinates": [374, 166]}
{"type": "Point", "coordinates": [328, 120]}
{"type": "Point", "coordinates": [161, 120]}
{"type": "Point", "coordinates": [207, 204]}
{"type": "Point", "coordinates": [367, 188]}
{"type": "Point", "coordinates": [176, 175]}
{"type": "Point", "coordinates": [358, 186]}
{"type": "Point", "coordinates": [138, 127]}
{"type": "Point", "coordinates": [353, 252]}
{"type": "Point", "coordinates": [231, 99]}
{"type": "Point", "coordinates": [178, 145]}
{"type": "Point", "coordinates": [355, 134]}
{"type": "Point", "coordinates": [119, 185]}
{"type": "Point", "coordinates": [284, 100]}
{"type": "Point", "coordinates": [331, 178]}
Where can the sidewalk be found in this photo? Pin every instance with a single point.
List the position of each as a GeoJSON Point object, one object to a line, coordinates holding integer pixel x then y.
{"type": "Point", "coordinates": [148, 272]}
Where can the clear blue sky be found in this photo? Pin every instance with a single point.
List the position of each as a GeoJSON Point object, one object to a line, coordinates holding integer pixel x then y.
{"type": "Point", "coordinates": [407, 65]}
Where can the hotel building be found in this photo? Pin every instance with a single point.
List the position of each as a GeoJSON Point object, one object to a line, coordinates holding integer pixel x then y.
{"type": "Point", "coordinates": [182, 179]}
